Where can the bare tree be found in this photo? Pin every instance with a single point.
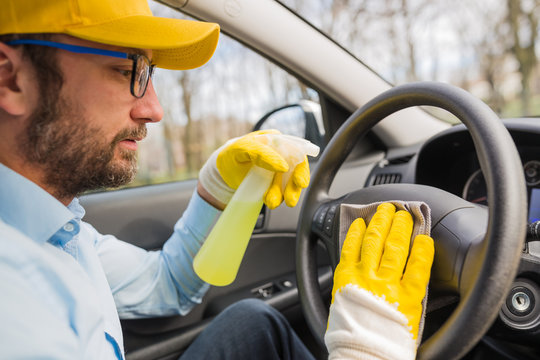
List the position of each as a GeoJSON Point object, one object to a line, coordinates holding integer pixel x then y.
{"type": "Point", "coordinates": [492, 55]}
{"type": "Point", "coordinates": [169, 139]}
{"type": "Point", "coordinates": [190, 140]}
{"type": "Point", "coordinates": [523, 26]}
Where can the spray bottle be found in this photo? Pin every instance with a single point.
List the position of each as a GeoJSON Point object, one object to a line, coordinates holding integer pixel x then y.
{"type": "Point", "coordinates": [219, 258]}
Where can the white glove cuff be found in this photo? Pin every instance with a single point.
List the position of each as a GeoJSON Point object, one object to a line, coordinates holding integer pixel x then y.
{"type": "Point", "coordinates": [364, 326]}
{"type": "Point", "coordinates": [211, 179]}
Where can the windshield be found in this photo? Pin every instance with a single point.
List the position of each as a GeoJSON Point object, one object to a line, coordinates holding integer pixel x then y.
{"type": "Point", "coordinates": [487, 47]}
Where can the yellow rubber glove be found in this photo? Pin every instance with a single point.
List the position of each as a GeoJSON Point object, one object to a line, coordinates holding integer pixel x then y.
{"type": "Point", "coordinates": [377, 259]}
{"type": "Point", "coordinates": [291, 194]}
{"type": "Point", "coordinates": [236, 159]}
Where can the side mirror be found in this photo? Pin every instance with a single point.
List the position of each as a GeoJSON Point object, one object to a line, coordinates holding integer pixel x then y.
{"type": "Point", "coordinates": [303, 119]}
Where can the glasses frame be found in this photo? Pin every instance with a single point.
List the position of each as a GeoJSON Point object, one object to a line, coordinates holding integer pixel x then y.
{"type": "Point", "coordinates": [96, 51]}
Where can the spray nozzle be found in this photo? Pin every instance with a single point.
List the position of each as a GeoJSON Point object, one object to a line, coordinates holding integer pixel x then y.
{"type": "Point", "coordinates": [293, 149]}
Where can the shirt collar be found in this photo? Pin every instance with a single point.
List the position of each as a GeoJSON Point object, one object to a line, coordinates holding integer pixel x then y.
{"type": "Point", "coordinates": [76, 208]}
{"type": "Point", "coordinates": [30, 209]}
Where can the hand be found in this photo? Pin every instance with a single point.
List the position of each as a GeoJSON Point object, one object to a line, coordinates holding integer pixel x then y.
{"type": "Point", "coordinates": [375, 259]}
{"type": "Point", "coordinates": [227, 167]}
{"type": "Point", "coordinates": [379, 288]}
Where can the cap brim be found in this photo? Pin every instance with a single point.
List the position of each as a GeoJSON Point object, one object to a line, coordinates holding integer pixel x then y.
{"type": "Point", "coordinates": [175, 43]}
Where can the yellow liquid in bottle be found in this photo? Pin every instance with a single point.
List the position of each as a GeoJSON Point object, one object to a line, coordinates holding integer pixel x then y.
{"type": "Point", "coordinates": [218, 260]}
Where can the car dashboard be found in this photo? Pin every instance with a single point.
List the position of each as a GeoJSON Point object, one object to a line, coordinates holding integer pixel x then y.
{"type": "Point", "coordinates": [448, 161]}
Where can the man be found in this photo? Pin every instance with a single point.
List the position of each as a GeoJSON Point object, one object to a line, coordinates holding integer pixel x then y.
{"type": "Point", "coordinates": [75, 97]}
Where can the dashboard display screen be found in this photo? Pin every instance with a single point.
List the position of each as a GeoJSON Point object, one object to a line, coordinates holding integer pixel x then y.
{"type": "Point", "coordinates": [534, 205]}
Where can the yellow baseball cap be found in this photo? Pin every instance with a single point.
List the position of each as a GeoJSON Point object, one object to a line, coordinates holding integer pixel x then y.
{"type": "Point", "coordinates": [176, 44]}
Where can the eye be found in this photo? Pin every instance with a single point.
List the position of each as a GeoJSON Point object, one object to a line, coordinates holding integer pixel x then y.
{"type": "Point", "coordinates": [124, 72]}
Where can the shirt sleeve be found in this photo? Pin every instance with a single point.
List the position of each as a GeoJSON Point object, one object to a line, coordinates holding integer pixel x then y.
{"type": "Point", "coordinates": [158, 283]}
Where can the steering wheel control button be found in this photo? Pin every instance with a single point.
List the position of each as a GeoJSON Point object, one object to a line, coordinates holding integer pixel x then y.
{"type": "Point", "coordinates": [332, 210]}
{"type": "Point", "coordinates": [521, 310]}
{"type": "Point", "coordinates": [329, 220]}
{"type": "Point", "coordinates": [320, 216]}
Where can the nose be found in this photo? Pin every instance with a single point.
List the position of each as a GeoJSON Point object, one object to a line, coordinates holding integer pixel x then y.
{"type": "Point", "coordinates": [148, 108]}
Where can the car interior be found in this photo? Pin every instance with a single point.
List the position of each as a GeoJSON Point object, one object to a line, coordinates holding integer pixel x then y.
{"type": "Point", "coordinates": [479, 174]}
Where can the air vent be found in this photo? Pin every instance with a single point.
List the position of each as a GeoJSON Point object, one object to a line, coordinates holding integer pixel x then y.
{"type": "Point", "coordinates": [400, 160]}
{"type": "Point", "coordinates": [386, 179]}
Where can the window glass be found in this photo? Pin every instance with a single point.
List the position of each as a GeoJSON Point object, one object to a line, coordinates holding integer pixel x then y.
{"type": "Point", "coordinates": [490, 48]}
{"type": "Point", "coordinates": [205, 107]}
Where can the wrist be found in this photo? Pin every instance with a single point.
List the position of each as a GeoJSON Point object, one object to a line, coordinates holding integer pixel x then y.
{"type": "Point", "coordinates": [364, 326]}
{"type": "Point", "coordinates": [206, 196]}
{"type": "Point", "coordinates": [211, 186]}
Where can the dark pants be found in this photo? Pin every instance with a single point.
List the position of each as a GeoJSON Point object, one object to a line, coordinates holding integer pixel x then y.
{"type": "Point", "coordinates": [248, 330]}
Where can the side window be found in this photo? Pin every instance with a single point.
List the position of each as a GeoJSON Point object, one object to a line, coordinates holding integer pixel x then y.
{"type": "Point", "coordinates": [205, 107]}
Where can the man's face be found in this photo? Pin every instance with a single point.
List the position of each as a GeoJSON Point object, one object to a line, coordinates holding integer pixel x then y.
{"type": "Point", "coordinates": [86, 136]}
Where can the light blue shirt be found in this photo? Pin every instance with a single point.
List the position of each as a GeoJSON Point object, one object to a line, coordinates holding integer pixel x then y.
{"type": "Point", "coordinates": [63, 285]}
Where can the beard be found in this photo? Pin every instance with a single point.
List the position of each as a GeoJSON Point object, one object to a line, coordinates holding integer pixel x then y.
{"type": "Point", "coordinates": [74, 156]}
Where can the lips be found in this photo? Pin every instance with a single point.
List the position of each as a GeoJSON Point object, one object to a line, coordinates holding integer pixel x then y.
{"type": "Point", "coordinates": [130, 144]}
{"type": "Point", "coordinates": [128, 138]}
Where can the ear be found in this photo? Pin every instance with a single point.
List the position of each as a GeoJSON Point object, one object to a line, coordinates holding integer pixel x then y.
{"type": "Point", "coordinates": [13, 92]}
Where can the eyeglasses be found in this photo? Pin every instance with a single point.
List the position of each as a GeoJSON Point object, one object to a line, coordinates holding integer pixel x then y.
{"type": "Point", "coordinates": [142, 67]}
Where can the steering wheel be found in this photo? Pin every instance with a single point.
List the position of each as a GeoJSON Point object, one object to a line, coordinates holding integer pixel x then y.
{"type": "Point", "coordinates": [477, 249]}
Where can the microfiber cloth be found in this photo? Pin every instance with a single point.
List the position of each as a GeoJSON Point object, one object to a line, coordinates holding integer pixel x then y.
{"type": "Point", "coordinates": [420, 212]}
